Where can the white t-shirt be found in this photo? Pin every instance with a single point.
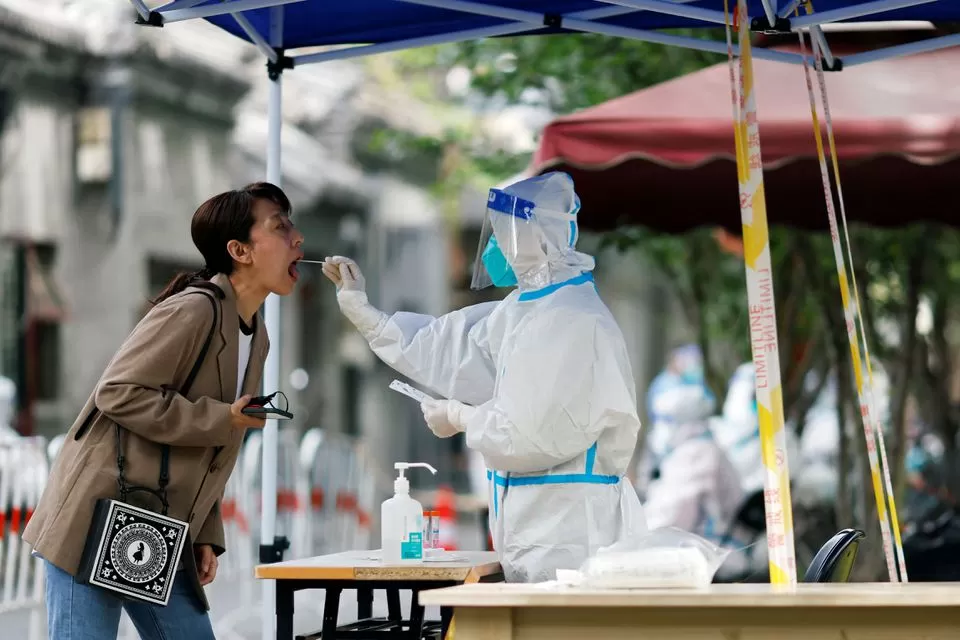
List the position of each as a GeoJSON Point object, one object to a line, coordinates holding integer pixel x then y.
{"type": "Point", "coordinates": [246, 337]}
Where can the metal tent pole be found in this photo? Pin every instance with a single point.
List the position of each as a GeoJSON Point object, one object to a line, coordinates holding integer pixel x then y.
{"type": "Point", "coordinates": [271, 548]}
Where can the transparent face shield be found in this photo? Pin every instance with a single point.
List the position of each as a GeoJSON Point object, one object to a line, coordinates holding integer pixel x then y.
{"type": "Point", "coordinates": [508, 220]}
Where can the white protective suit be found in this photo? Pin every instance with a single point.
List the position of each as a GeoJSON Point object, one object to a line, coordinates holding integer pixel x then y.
{"type": "Point", "coordinates": [546, 372]}
{"type": "Point", "coordinates": [683, 363]}
{"type": "Point", "coordinates": [698, 489]}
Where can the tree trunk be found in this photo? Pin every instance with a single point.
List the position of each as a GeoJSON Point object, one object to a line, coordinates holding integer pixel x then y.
{"type": "Point", "coordinates": [948, 423]}
{"type": "Point", "coordinates": [934, 393]}
{"type": "Point", "coordinates": [715, 380]}
{"type": "Point", "coordinates": [871, 562]}
{"type": "Point", "coordinates": [788, 289]}
{"type": "Point", "coordinates": [821, 365]}
{"type": "Point", "coordinates": [902, 375]}
{"type": "Point", "coordinates": [828, 297]}
{"type": "Point", "coordinates": [844, 504]}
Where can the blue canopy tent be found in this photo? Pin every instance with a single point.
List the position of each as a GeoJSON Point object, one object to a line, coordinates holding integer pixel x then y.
{"type": "Point", "coordinates": [365, 27]}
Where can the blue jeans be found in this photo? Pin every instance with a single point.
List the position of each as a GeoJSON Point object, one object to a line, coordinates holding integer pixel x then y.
{"type": "Point", "coordinates": [83, 612]}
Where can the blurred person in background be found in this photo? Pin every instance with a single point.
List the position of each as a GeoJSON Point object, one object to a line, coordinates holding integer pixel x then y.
{"type": "Point", "coordinates": [927, 482]}
{"type": "Point", "coordinates": [698, 489]}
{"type": "Point", "coordinates": [539, 382]}
{"type": "Point", "coordinates": [250, 249]}
{"type": "Point", "coordinates": [685, 363]}
{"type": "Point", "coordinates": [916, 460]}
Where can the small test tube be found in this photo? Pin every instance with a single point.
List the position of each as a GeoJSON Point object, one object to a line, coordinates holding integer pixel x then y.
{"type": "Point", "coordinates": [435, 529]}
{"type": "Point", "coordinates": [427, 531]}
{"type": "Point", "coordinates": [431, 530]}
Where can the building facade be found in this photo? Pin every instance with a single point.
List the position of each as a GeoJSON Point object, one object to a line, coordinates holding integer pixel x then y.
{"type": "Point", "coordinates": [105, 156]}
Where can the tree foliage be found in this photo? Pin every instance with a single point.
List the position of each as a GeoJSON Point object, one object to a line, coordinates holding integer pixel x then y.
{"type": "Point", "coordinates": [572, 71]}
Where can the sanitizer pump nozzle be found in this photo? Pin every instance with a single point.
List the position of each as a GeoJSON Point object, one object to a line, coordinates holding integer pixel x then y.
{"type": "Point", "coordinates": [402, 484]}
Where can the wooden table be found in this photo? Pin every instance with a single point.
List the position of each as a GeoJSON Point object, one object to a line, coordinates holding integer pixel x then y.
{"type": "Point", "coordinates": [355, 570]}
{"type": "Point", "coordinates": [854, 611]}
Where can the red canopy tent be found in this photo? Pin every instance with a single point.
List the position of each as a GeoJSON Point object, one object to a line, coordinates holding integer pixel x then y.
{"type": "Point", "coordinates": [663, 157]}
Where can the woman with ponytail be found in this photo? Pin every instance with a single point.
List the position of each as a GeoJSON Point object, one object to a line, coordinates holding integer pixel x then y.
{"type": "Point", "coordinates": [176, 388]}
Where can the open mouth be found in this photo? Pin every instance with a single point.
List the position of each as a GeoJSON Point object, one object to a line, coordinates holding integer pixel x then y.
{"type": "Point", "coordinates": [294, 269]}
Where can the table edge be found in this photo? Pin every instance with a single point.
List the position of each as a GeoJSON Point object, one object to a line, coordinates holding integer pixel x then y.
{"type": "Point", "coordinates": [283, 571]}
{"type": "Point", "coordinates": [465, 596]}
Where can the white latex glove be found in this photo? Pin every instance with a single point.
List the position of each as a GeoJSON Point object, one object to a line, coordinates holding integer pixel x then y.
{"type": "Point", "coordinates": [352, 296]}
{"type": "Point", "coordinates": [345, 273]}
{"type": "Point", "coordinates": [446, 418]}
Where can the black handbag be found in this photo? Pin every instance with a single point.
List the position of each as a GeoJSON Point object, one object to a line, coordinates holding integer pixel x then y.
{"type": "Point", "coordinates": [130, 550]}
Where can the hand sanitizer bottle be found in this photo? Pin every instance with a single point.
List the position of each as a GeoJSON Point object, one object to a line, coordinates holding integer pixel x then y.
{"type": "Point", "coordinates": [401, 521]}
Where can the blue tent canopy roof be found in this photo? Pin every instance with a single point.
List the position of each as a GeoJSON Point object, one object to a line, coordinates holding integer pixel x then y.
{"type": "Point", "coordinates": [324, 22]}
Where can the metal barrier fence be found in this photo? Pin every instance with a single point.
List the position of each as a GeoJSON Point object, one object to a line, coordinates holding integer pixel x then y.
{"type": "Point", "coordinates": [23, 475]}
{"type": "Point", "coordinates": [339, 492]}
{"type": "Point", "coordinates": [327, 494]}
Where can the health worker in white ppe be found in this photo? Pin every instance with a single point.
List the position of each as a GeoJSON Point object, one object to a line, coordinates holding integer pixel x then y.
{"type": "Point", "coordinates": [684, 363]}
{"type": "Point", "coordinates": [698, 489]}
{"type": "Point", "coordinates": [539, 382]}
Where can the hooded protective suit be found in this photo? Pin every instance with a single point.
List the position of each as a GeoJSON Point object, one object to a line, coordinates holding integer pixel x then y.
{"type": "Point", "coordinates": [546, 372]}
{"type": "Point", "coordinates": [698, 489]}
{"type": "Point", "coordinates": [684, 363]}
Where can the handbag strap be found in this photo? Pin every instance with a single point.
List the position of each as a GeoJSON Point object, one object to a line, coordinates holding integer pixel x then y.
{"type": "Point", "coordinates": [164, 479]}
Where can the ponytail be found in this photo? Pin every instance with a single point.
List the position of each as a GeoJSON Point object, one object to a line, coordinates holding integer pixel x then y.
{"type": "Point", "coordinates": [218, 221]}
{"type": "Point", "coordinates": [181, 281]}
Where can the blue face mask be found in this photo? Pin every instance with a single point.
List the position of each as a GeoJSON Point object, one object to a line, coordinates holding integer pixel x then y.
{"type": "Point", "coordinates": [500, 271]}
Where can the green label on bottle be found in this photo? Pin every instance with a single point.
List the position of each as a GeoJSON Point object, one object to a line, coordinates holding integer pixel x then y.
{"type": "Point", "coordinates": [412, 549]}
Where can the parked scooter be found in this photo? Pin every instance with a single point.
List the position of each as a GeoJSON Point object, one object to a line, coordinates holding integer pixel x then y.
{"type": "Point", "coordinates": [931, 543]}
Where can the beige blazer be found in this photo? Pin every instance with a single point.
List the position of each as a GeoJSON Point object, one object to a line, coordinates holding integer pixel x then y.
{"type": "Point", "coordinates": [138, 391]}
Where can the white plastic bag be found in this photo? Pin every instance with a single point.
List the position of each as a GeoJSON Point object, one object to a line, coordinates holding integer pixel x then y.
{"type": "Point", "coordinates": [663, 558]}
